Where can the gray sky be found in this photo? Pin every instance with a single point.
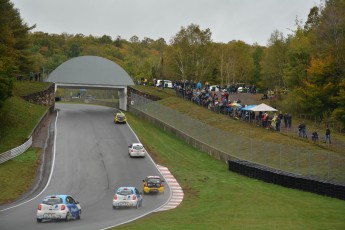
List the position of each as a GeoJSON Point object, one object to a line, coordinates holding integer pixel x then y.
{"type": "Point", "coordinates": [247, 20]}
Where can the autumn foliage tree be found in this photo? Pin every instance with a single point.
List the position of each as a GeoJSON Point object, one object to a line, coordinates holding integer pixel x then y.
{"type": "Point", "coordinates": [14, 43]}
{"type": "Point", "coordinates": [190, 49]}
{"type": "Point", "coordinates": [322, 91]}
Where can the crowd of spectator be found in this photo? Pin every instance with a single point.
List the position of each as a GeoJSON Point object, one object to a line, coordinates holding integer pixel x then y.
{"type": "Point", "coordinates": [32, 77]}
{"type": "Point", "coordinates": [218, 101]}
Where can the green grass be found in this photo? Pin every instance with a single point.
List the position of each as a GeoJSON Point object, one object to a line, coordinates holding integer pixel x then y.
{"type": "Point", "coordinates": [216, 198]}
{"type": "Point", "coordinates": [17, 175]}
{"type": "Point", "coordinates": [23, 88]}
{"type": "Point", "coordinates": [18, 118]}
{"type": "Point", "coordinates": [250, 142]}
{"type": "Point", "coordinates": [155, 91]}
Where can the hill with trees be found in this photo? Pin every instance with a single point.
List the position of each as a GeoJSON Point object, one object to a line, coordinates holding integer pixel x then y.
{"type": "Point", "coordinates": [309, 63]}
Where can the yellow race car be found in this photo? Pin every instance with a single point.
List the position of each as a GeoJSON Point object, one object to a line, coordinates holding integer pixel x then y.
{"type": "Point", "coordinates": [153, 184]}
{"type": "Point", "coordinates": [120, 118]}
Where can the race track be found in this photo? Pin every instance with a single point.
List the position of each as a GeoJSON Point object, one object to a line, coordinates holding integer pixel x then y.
{"type": "Point", "coordinates": [91, 160]}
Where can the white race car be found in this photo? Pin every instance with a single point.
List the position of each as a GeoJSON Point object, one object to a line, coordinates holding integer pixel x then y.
{"type": "Point", "coordinates": [58, 207]}
{"type": "Point", "coordinates": [136, 150]}
{"type": "Point", "coordinates": [127, 197]}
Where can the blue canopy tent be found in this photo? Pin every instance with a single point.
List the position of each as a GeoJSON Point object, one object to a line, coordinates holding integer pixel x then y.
{"type": "Point", "coordinates": [249, 107]}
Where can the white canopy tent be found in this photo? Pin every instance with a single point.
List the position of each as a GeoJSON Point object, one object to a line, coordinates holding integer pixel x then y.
{"type": "Point", "coordinates": [263, 107]}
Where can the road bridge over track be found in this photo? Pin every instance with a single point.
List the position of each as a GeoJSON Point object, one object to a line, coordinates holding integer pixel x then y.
{"type": "Point", "coordinates": [92, 72]}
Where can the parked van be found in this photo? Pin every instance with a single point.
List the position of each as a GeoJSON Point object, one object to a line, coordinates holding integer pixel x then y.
{"type": "Point", "coordinates": [167, 83]}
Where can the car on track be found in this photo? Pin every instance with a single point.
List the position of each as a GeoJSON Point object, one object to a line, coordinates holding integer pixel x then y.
{"type": "Point", "coordinates": [127, 197]}
{"type": "Point", "coordinates": [58, 207]}
{"type": "Point", "coordinates": [136, 150]}
{"type": "Point", "coordinates": [120, 118]}
{"type": "Point", "coordinates": [153, 184]}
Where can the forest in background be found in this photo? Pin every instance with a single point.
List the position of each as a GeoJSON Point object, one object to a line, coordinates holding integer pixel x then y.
{"type": "Point", "coordinates": [309, 62]}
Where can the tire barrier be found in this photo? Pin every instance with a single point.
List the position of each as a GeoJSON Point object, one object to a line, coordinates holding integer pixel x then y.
{"type": "Point", "coordinates": [286, 179]}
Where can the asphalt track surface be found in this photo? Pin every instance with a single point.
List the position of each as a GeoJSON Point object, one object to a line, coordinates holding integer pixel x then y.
{"type": "Point", "coordinates": [90, 161]}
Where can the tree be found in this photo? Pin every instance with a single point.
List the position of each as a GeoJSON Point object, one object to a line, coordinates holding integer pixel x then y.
{"type": "Point", "coordinates": [274, 61]}
{"type": "Point", "coordinates": [339, 112]}
{"type": "Point", "coordinates": [6, 86]}
{"type": "Point", "coordinates": [298, 58]}
{"type": "Point", "coordinates": [105, 39]}
{"type": "Point", "coordinates": [14, 53]}
{"type": "Point", "coordinates": [74, 50]}
{"type": "Point", "coordinates": [190, 49]}
{"type": "Point", "coordinates": [237, 62]}
{"type": "Point", "coordinates": [313, 19]}
{"type": "Point", "coordinates": [322, 92]}
{"type": "Point", "coordinates": [257, 57]}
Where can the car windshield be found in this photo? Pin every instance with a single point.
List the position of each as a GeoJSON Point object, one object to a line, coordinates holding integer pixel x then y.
{"type": "Point", "coordinates": [124, 192]}
{"type": "Point", "coordinates": [52, 201]}
{"type": "Point", "coordinates": [137, 147]}
{"type": "Point", "coordinates": [154, 180]}
{"type": "Point", "coordinates": [120, 115]}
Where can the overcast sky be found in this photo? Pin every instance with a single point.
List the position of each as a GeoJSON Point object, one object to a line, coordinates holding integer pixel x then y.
{"type": "Point", "coordinates": [247, 20]}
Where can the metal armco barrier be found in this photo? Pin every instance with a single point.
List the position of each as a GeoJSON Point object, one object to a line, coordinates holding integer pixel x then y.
{"type": "Point", "coordinates": [8, 155]}
{"type": "Point", "coordinates": [286, 179]}
{"type": "Point", "coordinates": [15, 152]}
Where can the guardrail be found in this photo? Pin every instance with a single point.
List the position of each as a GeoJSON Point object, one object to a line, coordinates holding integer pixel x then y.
{"type": "Point", "coordinates": [8, 155]}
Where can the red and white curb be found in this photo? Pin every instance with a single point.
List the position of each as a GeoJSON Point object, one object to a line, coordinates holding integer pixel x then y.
{"type": "Point", "coordinates": [177, 192]}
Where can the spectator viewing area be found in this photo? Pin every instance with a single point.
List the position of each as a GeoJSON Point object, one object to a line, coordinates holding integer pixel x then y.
{"type": "Point", "coordinates": [92, 72]}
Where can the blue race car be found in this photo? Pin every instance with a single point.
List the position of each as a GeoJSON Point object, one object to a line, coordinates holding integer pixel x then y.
{"type": "Point", "coordinates": [58, 207]}
{"type": "Point", "coordinates": [127, 197]}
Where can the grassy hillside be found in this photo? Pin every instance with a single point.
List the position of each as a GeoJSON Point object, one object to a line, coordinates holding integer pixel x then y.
{"type": "Point", "coordinates": [216, 198]}
{"type": "Point", "coordinates": [17, 120]}
{"type": "Point", "coordinates": [18, 117]}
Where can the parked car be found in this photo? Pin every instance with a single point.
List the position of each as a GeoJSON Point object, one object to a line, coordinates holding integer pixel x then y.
{"type": "Point", "coordinates": [127, 197]}
{"type": "Point", "coordinates": [167, 83]}
{"type": "Point", "coordinates": [58, 207]}
{"type": "Point", "coordinates": [215, 88]}
{"type": "Point", "coordinates": [120, 118]}
{"type": "Point", "coordinates": [136, 150]}
{"type": "Point", "coordinates": [153, 184]}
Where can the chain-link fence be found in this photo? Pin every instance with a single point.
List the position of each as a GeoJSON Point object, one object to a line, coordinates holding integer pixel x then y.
{"type": "Point", "coordinates": [319, 164]}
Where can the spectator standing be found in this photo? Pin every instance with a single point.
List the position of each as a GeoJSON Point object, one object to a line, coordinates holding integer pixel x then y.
{"type": "Point", "coordinates": [289, 120]}
{"type": "Point", "coordinates": [328, 135]}
{"type": "Point", "coordinates": [278, 123]}
{"type": "Point", "coordinates": [198, 86]}
{"type": "Point", "coordinates": [285, 120]}
{"type": "Point", "coordinates": [300, 127]}
{"type": "Point", "coordinates": [274, 122]}
{"type": "Point", "coordinates": [315, 136]}
{"type": "Point", "coordinates": [302, 130]}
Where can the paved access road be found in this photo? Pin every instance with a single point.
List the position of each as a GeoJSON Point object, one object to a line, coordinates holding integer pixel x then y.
{"type": "Point", "coordinates": [91, 160]}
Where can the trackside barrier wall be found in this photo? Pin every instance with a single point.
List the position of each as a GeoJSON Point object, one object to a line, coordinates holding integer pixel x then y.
{"type": "Point", "coordinates": [286, 179]}
{"type": "Point", "coordinates": [8, 155]}
{"type": "Point", "coordinates": [250, 169]}
{"type": "Point", "coordinates": [210, 150]}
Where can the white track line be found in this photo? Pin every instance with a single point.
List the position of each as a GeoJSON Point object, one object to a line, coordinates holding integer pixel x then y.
{"type": "Point", "coordinates": [51, 171]}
